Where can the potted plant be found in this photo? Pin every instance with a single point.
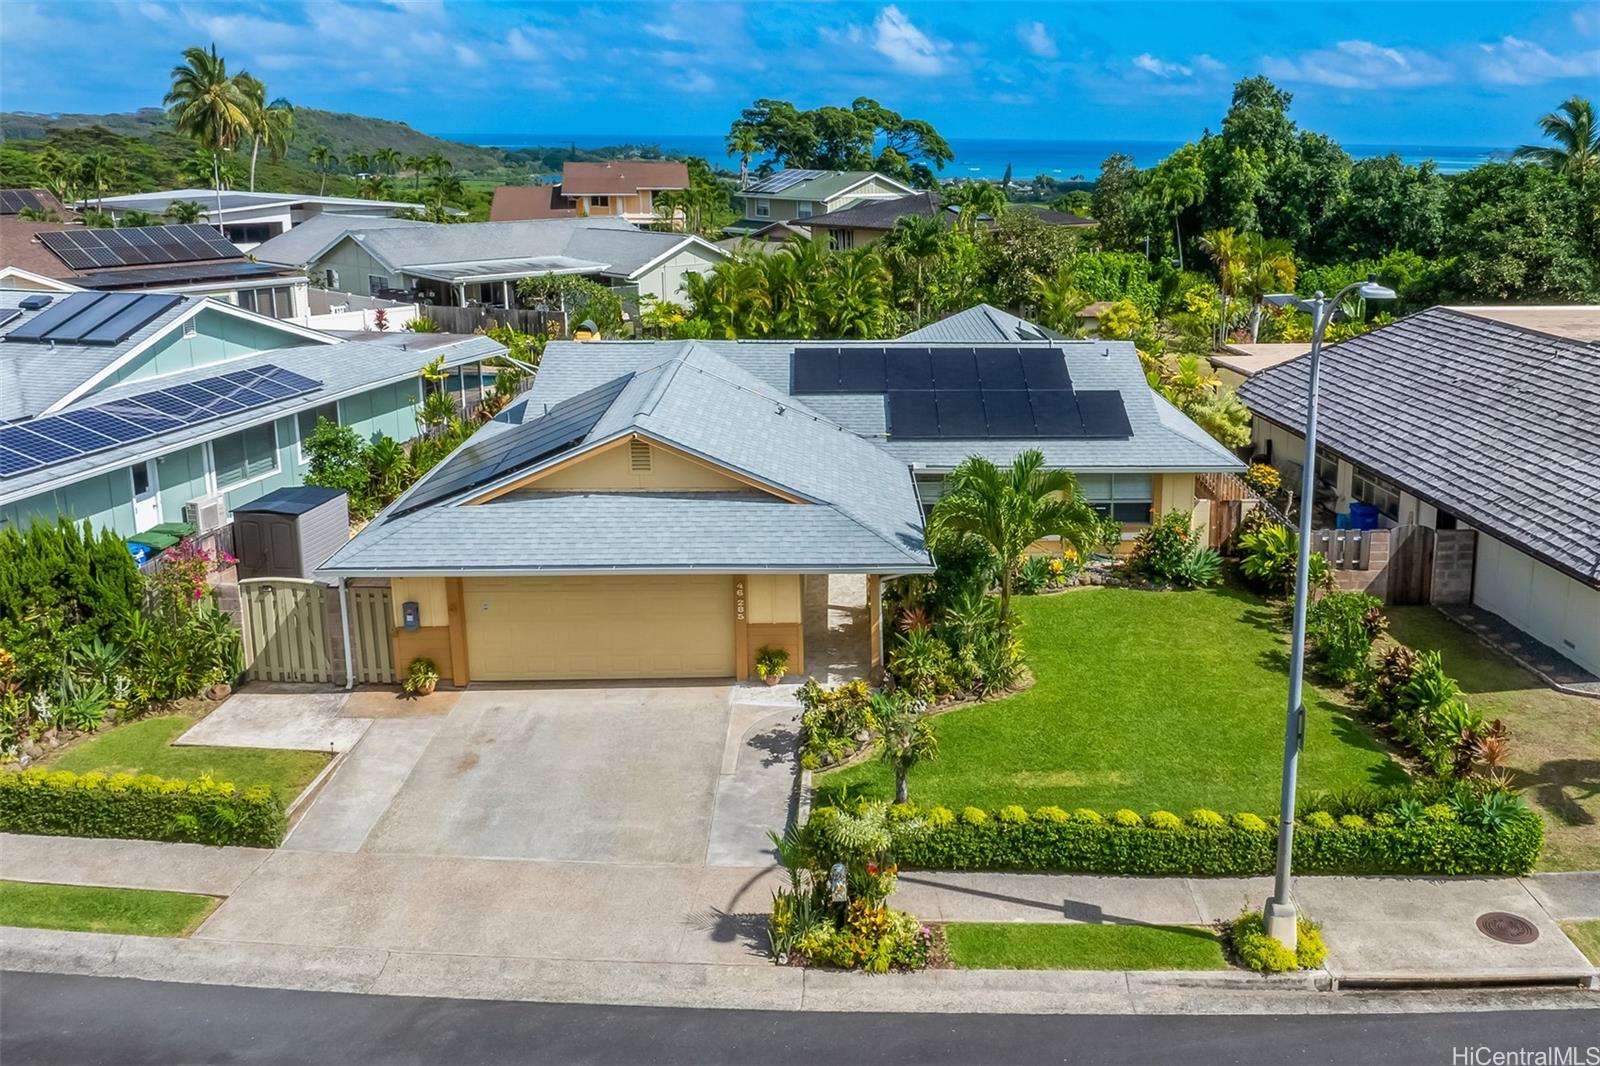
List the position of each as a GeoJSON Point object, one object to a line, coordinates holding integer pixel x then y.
{"type": "Point", "coordinates": [771, 663]}
{"type": "Point", "coordinates": [422, 677]}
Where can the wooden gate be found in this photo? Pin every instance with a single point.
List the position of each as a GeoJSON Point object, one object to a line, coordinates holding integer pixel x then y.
{"type": "Point", "coordinates": [370, 633]}
{"type": "Point", "coordinates": [285, 629]}
{"type": "Point", "coordinates": [1410, 565]}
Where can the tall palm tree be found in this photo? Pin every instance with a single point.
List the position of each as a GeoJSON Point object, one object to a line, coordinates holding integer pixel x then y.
{"type": "Point", "coordinates": [414, 163]}
{"type": "Point", "coordinates": [1006, 510]}
{"type": "Point", "coordinates": [322, 159]}
{"type": "Point", "coordinates": [1267, 266]}
{"type": "Point", "coordinates": [1225, 248]}
{"type": "Point", "coordinates": [388, 159]}
{"type": "Point", "coordinates": [1577, 149]}
{"type": "Point", "coordinates": [207, 105]}
{"type": "Point", "coordinates": [435, 164]}
{"type": "Point", "coordinates": [444, 190]}
{"type": "Point", "coordinates": [919, 239]}
{"type": "Point", "coordinates": [374, 187]}
{"type": "Point", "coordinates": [855, 294]}
{"type": "Point", "coordinates": [977, 199]}
{"type": "Point", "coordinates": [1176, 188]}
{"type": "Point", "coordinates": [98, 171]}
{"type": "Point", "coordinates": [59, 173]}
{"type": "Point", "coordinates": [271, 124]}
{"type": "Point", "coordinates": [742, 142]}
{"type": "Point", "coordinates": [358, 162]}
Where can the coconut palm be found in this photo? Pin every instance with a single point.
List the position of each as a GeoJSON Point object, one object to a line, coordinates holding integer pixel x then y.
{"type": "Point", "coordinates": [184, 212]}
{"type": "Point", "coordinates": [323, 160]}
{"type": "Point", "coordinates": [1266, 266]}
{"type": "Point", "coordinates": [742, 142]}
{"type": "Point", "coordinates": [444, 190]}
{"type": "Point", "coordinates": [271, 124]}
{"type": "Point", "coordinates": [358, 162]}
{"type": "Point", "coordinates": [207, 105]}
{"type": "Point", "coordinates": [388, 159]}
{"type": "Point", "coordinates": [98, 171]}
{"type": "Point", "coordinates": [1006, 510]}
{"type": "Point", "coordinates": [1576, 151]}
{"type": "Point", "coordinates": [59, 172]}
{"type": "Point", "coordinates": [1225, 248]}
{"type": "Point", "coordinates": [435, 164]}
{"type": "Point", "coordinates": [413, 163]}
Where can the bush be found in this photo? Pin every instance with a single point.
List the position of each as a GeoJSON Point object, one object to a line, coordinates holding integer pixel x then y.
{"type": "Point", "coordinates": [1341, 627]}
{"type": "Point", "coordinates": [1263, 954]}
{"type": "Point", "coordinates": [1263, 479]}
{"type": "Point", "coordinates": [1409, 692]}
{"type": "Point", "coordinates": [832, 719]}
{"type": "Point", "coordinates": [1268, 557]}
{"type": "Point", "coordinates": [201, 811]}
{"type": "Point", "coordinates": [1471, 837]}
{"type": "Point", "coordinates": [1033, 576]}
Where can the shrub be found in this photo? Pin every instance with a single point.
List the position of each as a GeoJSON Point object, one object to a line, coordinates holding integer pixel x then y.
{"type": "Point", "coordinates": [1052, 814]}
{"type": "Point", "coordinates": [771, 662]}
{"type": "Point", "coordinates": [201, 811]}
{"type": "Point", "coordinates": [1264, 954]}
{"type": "Point", "coordinates": [1012, 814]}
{"type": "Point", "coordinates": [1166, 820]}
{"type": "Point", "coordinates": [1033, 576]}
{"type": "Point", "coordinates": [1170, 552]}
{"type": "Point", "coordinates": [1263, 479]}
{"type": "Point", "coordinates": [1320, 820]}
{"type": "Point", "coordinates": [1410, 693]}
{"type": "Point", "coordinates": [923, 665]}
{"type": "Point", "coordinates": [1201, 818]}
{"type": "Point", "coordinates": [1268, 557]}
{"type": "Point", "coordinates": [1126, 818]}
{"type": "Point", "coordinates": [1250, 822]}
{"type": "Point", "coordinates": [1341, 627]}
{"type": "Point", "coordinates": [832, 719]}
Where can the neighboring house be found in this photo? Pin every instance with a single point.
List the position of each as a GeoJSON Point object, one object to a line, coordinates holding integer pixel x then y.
{"type": "Point", "coordinates": [621, 188]}
{"type": "Point", "coordinates": [861, 223]}
{"type": "Point", "coordinates": [189, 259]}
{"type": "Point", "coordinates": [653, 509]}
{"type": "Point", "coordinates": [798, 195]}
{"type": "Point", "coordinates": [1484, 419]}
{"type": "Point", "coordinates": [982, 323]}
{"type": "Point", "coordinates": [462, 263]}
{"type": "Point", "coordinates": [15, 201]}
{"type": "Point", "coordinates": [1237, 363]}
{"type": "Point", "coordinates": [767, 239]}
{"type": "Point", "coordinates": [249, 218]}
{"type": "Point", "coordinates": [121, 408]}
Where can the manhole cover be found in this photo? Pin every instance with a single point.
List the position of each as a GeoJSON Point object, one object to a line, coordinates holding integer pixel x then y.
{"type": "Point", "coordinates": [1507, 928]}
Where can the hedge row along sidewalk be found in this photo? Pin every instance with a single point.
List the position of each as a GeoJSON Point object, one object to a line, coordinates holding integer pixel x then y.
{"type": "Point", "coordinates": [147, 807]}
{"type": "Point", "coordinates": [1434, 840]}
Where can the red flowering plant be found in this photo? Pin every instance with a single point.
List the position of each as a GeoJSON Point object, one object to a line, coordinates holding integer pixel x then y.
{"type": "Point", "coordinates": [180, 579]}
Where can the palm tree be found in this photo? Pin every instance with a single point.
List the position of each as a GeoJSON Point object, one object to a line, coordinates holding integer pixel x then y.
{"type": "Point", "coordinates": [373, 187]}
{"type": "Point", "coordinates": [134, 219]}
{"type": "Point", "coordinates": [742, 142]}
{"type": "Point", "coordinates": [97, 172]}
{"type": "Point", "coordinates": [1060, 302]}
{"type": "Point", "coordinates": [322, 159]}
{"type": "Point", "coordinates": [1267, 266]}
{"type": "Point", "coordinates": [207, 105]}
{"type": "Point", "coordinates": [414, 163]}
{"type": "Point", "coordinates": [904, 737]}
{"type": "Point", "coordinates": [1177, 187]}
{"type": "Point", "coordinates": [184, 212]}
{"type": "Point", "coordinates": [919, 238]}
{"type": "Point", "coordinates": [38, 214]}
{"type": "Point", "coordinates": [1007, 510]}
{"type": "Point", "coordinates": [977, 199]}
{"type": "Point", "coordinates": [59, 172]}
{"type": "Point", "coordinates": [855, 294]}
{"type": "Point", "coordinates": [388, 159]}
{"type": "Point", "coordinates": [358, 162]}
{"type": "Point", "coordinates": [435, 164]}
{"type": "Point", "coordinates": [1577, 149]}
{"type": "Point", "coordinates": [442, 190]}
{"type": "Point", "coordinates": [271, 124]}
{"type": "Point", "coordinates": [1226, 250]}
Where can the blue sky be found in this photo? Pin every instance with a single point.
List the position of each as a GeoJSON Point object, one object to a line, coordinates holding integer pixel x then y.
{"type": "Point", "coordinates": [1429, 73]}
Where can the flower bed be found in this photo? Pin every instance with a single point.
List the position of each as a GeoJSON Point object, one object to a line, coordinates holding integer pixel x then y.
{"type": "Point", "coordinates": [198, 811]}
{"type": "Point", "coordinates": [1437, 839]}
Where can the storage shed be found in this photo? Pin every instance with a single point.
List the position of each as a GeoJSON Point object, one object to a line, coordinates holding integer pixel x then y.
{"type": "Point", "coordinates": [290, 532]}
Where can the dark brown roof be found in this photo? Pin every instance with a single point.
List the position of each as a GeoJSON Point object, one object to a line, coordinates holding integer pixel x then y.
{"type": "Point", "coordinates": [622, 177]}
{"type": "Point", "coordinates": [879, 214]}
{"type": "Point", "coordinates": [514, 203]}
{"type": "Point", "coordinates": [20, 248]}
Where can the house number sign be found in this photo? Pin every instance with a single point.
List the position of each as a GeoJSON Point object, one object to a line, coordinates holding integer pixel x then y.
{"type": "Point", "coordinates": [738, 601]}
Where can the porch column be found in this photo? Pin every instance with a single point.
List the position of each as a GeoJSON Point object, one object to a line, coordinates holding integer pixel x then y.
{"type": "Point", "coordinates": [461, 294]}
{"type": "Point", "coordinates": [875, 626]}
{"type": "Point", "coordinates": [507, 285]}
{"type": "Point", "coordinates": [456, 609]}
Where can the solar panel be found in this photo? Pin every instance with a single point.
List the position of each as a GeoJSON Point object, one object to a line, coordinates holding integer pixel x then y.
{"type": "Point", "coordinates": [492, 457]}
{"type": "Point", "coordinates": [1008, 413]}
{"type": "Point", "coordinates": [1103, 414]}
{"type": "Point", "coordinates": [1000, 368]}
{"type": "Point", "coordinates": [88, 249]}
{"type": "Point", "coordinates": [961, 413]}
{"type": "Point", "coordinates": [8, 313]}
{"type": "Point", "coordinates": [118, 422]}
{"type": "Point", "coordinates": [861, 370]}
{"type": "Point", "coordinates": [93, 318]}
{"type": "Point", "coordinates": [1045, 368]}
{"type": "Point", "coordinates": [1055, 413]}
{"type": "Point", "coordinates": [815, 370]}
{"type": "Point", "coordinates": [913, 414]}
{"type": "Point", "coordinates": [954, 368]}
{"type": "Point", "coordinates": [15, 200]}
{"type": "Point", "coordinates": [907, 368]}
{"type": "Point", "coordinates": [784, 179]}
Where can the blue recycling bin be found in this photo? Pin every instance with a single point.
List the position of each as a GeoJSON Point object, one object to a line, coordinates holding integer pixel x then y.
{"type": "Point", "coordinates": [1363, 515]}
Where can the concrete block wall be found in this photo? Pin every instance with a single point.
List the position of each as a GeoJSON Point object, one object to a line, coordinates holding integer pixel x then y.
{"type": "Point", "coordinates": [1454, 555]}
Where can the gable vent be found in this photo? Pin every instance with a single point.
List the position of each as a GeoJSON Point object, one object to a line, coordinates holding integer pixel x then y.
{"type": "Point", "coordinates": [639, 456]}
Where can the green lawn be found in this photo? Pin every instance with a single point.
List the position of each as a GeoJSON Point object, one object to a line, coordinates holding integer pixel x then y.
{"type": "Point", "coordinates": [1586, 935]}
{"type": "Point", "coordinates": [1555, 738]}
{"type": "Point", "coordinates": [102, 910]}
{"type": "Point", "coordinates": [1148, 700]}
{"type": "Point", "coordinates": [145, 747]}
{"type": "Point", "coordinates": [1053, 946]}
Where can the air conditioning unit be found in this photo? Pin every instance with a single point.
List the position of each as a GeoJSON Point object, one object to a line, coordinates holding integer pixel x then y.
{"type": "Point", "coordinates": [206, 513]}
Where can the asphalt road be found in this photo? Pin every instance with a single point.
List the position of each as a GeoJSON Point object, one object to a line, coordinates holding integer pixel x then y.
{"type": "Point", "coordinates": [83, 1021]}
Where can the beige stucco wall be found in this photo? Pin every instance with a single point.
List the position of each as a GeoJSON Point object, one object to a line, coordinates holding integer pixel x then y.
{"type": "Point", "coordinates": [774, 598]}
{"type": "Point", "coordinates": [612, 471]}
{"type": "Point", "coordinates": [429, 594]}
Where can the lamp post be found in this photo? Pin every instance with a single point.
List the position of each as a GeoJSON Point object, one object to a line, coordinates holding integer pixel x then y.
{"type": "Point", "coordinates": [1280, 910]}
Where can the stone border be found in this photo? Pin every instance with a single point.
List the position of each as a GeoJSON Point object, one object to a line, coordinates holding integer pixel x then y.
{"type": "Point", "coordinates": [1516, 656]}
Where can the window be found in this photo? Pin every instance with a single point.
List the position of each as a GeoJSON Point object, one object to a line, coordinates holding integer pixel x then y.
{"type": "Point", "coordinates": [803, 209]}
{"type": "Point", "coordinates": [276, 301]}
{"type": "Point", "coordinates": [599, 201]}
{"type": "Point", "coordinates": [376, 283]}
{"type": "Point", "coordinates": [763, 208]}
{"type": "Point", "coordinates": [306, 422]}
{"type": "Point", "coordinates": [1125, 497]}
{"type": "Point", "coordinates": [841, 240]}
{"type": "Point", "coordinates": [245, 456]}
{"type": "Point", "coordinates": [189, 328]}
{"type": "Point", "coordinates": [1370, 488]}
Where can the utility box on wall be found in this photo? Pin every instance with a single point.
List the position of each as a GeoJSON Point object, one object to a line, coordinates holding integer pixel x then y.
{"type": "Point", "coordinates": [290, 532]}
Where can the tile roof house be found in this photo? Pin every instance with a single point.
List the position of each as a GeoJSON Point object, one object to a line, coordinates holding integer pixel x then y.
{"type": "Point", "coordinates": [653, 508]}
{"type": "Point", "coordinates": [861, 223]}
{"type": "Point", "coordinates": [1468, 419]}
{"type": "Point", "coordinates": [459, 263]}
{"type": "Point", "coordinates": [797, 195]}
{"type": "Point", "coordinates": [120, 408]}
{"type": "Point", "coordinates": [621, 188]}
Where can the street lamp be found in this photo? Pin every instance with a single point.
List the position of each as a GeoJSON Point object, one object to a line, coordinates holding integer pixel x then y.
{"type": "Point", "coordinates": [1280, 910]}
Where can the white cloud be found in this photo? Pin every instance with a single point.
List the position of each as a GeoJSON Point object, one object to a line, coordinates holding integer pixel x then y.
{"type": "Point", "coordinates": [1160, 67]}
{"type": "Point", "coordinates": [1037, 40]}
{"type": "Point", "coordinates": [905, 46]}
{"type": "Point", "coordinates": [519, 46]}
{"type": "Point", "coordinates": [666, 31]}
{"type": "Point", "coordinates": [1359, 65]}
{"type": "Point", "coordinates": [1513, 61]}
{"type": "Point", "coordinates": [696, 81]}
{"type": "Point", "coordinates": [1209, 64]}
{"type": "Point", "coordinates": [467, 57]}
{"type": "Point", "coordinates": [1586, 20]}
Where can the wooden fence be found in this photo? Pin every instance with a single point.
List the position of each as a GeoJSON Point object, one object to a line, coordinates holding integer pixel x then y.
{"type": "Point", "coordinates": [284, 623]}
{"type": "Point", "coordinates": [369, 633]}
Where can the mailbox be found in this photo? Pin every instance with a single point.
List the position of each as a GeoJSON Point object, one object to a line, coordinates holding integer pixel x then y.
{"type": "Point", "coordinates": [411, 615]}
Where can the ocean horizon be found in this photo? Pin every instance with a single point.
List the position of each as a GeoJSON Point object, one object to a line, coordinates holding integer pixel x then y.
{"type": "Point", "coordinates": [1063, 160]}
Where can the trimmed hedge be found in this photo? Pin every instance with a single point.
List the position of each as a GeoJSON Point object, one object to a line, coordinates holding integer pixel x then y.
{"type": "Point", "coordinates": [1205, 844]}
{"type": "Point", "coordinates": [201, 811]}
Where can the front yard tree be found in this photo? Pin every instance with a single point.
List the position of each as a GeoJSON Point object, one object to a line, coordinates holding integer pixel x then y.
{"type": "Point", "coordinates": [1008, 509]}
{"type": "Point", "coordinates": [904, 737]}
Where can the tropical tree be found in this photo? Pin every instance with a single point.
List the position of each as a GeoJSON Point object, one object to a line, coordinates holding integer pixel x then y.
{"type": "Point", "coordinates": [435, 164]}
{"type": "Point", "coordinates": [904, 737]}
{"type": "Point", "coordinates": [1267, 266]}
{"type": "Point", "coordinates": [208, 106]}
{"type": "Point", "coordinates": [373, 187]}
{"type": "Point", "coordinates": [38, 214]}
{"type": "Point", "coordinates": [59, 172]}
{"type": "Point", "coordinates": [977, 200]}
{"type": "Point", "coordinates": [134, 219]}
{"type": "Point", "coordinates": [271, 125]}
{"type": "Point", "coordinates": [98, 171]}
{"type": "Point", "coordinates": [1059, 302]}
{"type": "Point", "coordinates": [1175, 185]}
{"type": "Point", "coordinates": [1226, 249]}
{"type": "Point", "coordinates": [1576, 151]}
{"type": "Point", "coordinates": [414, 163]}
{"type": "Point", "coordinates": [916, 240]}
{"type": "Point", "coordinates": [388, 159]}
{"type": "Point", "coordinates": [743, 142]}
{"type": "Point", "coordinates": [358, 162]}
{"type": "Point", "coordinates": [321, 158]}
{"type": "Point", "coordinates": [184, 212]}
{"type": "Point", "coordinates": [855, 294]}
{"type": "Point", "coordinates": [444, 190]}
{"type": "Point", "coordinates": [1006, 510]}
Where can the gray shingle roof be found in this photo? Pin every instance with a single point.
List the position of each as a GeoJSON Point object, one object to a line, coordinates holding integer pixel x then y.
{"type": "Point", "coordinates": [882, 214]}
{"type": "Point", "coordinates": [980, 323]}
{"type": "Point", "coordinates": [1495, 424]}
{"type": "Point", "coordinates": [860, 511]}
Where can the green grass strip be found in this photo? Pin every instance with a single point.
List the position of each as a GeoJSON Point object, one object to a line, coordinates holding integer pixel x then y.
{"type": "Point", "coordinates": [1586, 935]}
{"type": "Point", "coordinates": [1071, 946]}
{"type": "Point", "coordinates": [85, 909]}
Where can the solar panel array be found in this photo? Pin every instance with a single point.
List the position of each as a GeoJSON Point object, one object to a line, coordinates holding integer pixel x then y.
{"type": "Point", "coordinates": [493, 457]}
{"type": "Point", "coordinates": [94, 249]}
{"type": "Point", "coordinates": [14, 200]}
{"type": "Point", "coordinates": [92, 318]}
{"type": "Point", "coordinates": [965, 392]}
{"type": "Point", "coordinates": [118, 423]}
{"type": "Point", "coordinates": [783, 179]}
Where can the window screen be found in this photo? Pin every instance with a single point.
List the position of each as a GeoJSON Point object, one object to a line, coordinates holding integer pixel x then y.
{"type": "Point", "coordinates": [245, 455]}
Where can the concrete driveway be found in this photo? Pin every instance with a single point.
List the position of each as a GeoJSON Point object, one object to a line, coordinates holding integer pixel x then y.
{"type": "Point", "coordinates": [598, 773]}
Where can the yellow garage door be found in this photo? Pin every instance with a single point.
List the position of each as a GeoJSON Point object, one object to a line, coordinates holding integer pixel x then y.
{"type": "Point", "coordinates": [555, 628]}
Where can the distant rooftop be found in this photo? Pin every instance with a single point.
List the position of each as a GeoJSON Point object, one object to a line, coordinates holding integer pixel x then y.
{"type": "Point", "coordinates": [233, 201]}
{"type": "Point", "coordinates": [1578, 322]}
